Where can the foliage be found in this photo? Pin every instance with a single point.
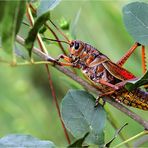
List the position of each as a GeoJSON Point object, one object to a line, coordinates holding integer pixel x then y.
{"type": "Point", "coordinates": [135, 14]}
{"type": "Point", "coordinates": [76, 103]}
{"type": "Point", "coordinates": [47, 6]}
{"type": "Point", "coordinates": [29, 42]}
{"type": "Point", "coordinates": [12, 13]}
{"type": "Point", "coordinates": [137, 83]}
{"type": "Point", "coordinates": [80, 116]}
{"type": "Point", "coordinates": [17, 140]}
{"type": "Point", "coordinates": [79, 142]}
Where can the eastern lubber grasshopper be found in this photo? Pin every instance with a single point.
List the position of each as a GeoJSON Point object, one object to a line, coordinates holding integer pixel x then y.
{"type": "Point", "coordinates": [110, 77]}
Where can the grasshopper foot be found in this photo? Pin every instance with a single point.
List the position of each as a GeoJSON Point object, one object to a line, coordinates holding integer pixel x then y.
{"type": "Point", "coordinates": [97, 102]}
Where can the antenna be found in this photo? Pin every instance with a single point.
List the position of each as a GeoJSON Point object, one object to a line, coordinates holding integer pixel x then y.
{"type": "Point", "coordinates": [60, 31]}
{"type": "Point", "coordinates": [56, 40]}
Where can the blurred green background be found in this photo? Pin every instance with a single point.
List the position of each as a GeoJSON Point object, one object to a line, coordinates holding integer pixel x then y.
{"type": "Point", "coordinates": [26, 102]}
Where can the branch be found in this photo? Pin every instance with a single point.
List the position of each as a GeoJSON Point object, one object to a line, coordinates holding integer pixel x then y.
{"type": "Point", "coordinates": [86, 85]}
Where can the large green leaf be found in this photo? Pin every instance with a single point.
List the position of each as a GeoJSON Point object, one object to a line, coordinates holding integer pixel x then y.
{"type": "Point", "coordinates": [29, 42]}
{"type": "Point", "coordinates": [135, 16]}
{"type": "Point", "coordinates": [12, 13]}
{"type": "Point", "coordinates": [18, 140]}
{"type": "Point", "coordinates": [80, 116]}
{"type": "Point", "coordinates": [130, 85]}
{"type": "Point", "coordinates": [47, 5]}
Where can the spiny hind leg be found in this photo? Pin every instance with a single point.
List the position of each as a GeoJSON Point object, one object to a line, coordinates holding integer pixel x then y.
{"type": "Point", "coordinates": [143, 53]}
{"type": "Point", "coordinates": [111, 86]}
{"type": "Point", "coordinates": [144, 64]}
{"type": "Point", "coordinates": [105, 83]}
{"type": "Point", "coordinates": [129, 53]}
{"type": "Point", "coordinates": [125, 57]}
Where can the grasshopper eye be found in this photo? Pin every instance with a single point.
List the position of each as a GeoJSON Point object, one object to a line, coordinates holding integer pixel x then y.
{"type": "Point", "coordinates": [76, 46]}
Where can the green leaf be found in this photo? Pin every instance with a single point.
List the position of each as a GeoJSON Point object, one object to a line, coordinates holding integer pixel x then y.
{"type": "Point", "coordinates": [95, 138]}
{"type": "Point", "coordinates": [12, 13]}
{"type": "Point", "coordinates": [135, 16]}
{"type": "Point", "coordinates": [21, 12]}
{"type": "Point", "coordinates": [2, 10]}
{"type": "Point", "coordinates": [18, 140]}
{"type": "Point", "coordinates": [29, 42]}
{"type": "Point", "coordinates": [80, 116]}
{"type": "Point", "coordinates": [131, 85]}
{"type": "Point", "coordinates": [115, 136]}
{"type": "Point", "coordinates": [79, 142]}
{"type": "Point", "coordinates": [64, 24]}
{"type": "Point", "coordinates": [47, 5]}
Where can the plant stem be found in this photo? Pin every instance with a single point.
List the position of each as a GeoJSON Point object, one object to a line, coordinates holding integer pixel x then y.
{"type": "Point", "coordinates": [44, 50]}
{"type": "Point", "coordinates": [114, 122]}
{"type": "Point", "coordinates": [132, 138]}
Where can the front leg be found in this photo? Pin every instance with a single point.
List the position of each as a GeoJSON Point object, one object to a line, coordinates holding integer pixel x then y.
{"type": "Point", "coordinates": [67, 63]}
{"type": "Point", "coordinates": [64, 57]}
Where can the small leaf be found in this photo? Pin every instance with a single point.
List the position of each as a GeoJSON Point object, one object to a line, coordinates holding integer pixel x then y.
{"type": "Point", "coordinates": [64, 24]}
{"type": "Point", "coordinates": [79, 142]}
{"type": "Point", "coordinates": [115, 136]}
{"type": "Point", "coordinates": [11, 18]}
{"type": "Point", "coordinates": [18, 140]}
{"type": "Point", "coordinates": [47, 5]}
{"type": "Point", "coordinates": [29, 42]}
{"type": "Point", "coordinates": [135, 16]}
{"type": "Point", "coordinates": [80, 116]}
{"type": "Point", "coordinates": [131, 85]}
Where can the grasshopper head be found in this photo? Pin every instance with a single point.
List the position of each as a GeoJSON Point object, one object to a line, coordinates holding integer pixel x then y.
{"type": "Point", "coordinates": [76, 47]}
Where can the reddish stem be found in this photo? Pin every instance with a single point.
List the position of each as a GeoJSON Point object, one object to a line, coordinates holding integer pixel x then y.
{"type": "Point", "coordinates": [51, 86]}
{"type": "Point", "coordinates": [56, 103]}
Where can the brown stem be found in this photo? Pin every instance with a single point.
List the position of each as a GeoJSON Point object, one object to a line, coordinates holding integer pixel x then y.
{"type": "Point", "coordinates": [86, 85]}
{"type": "Point", "coordinates": [29, 15]}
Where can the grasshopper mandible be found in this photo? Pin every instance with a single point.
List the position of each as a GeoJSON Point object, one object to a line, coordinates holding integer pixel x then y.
{"type": "Point", "coordinates": [110, 77]}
